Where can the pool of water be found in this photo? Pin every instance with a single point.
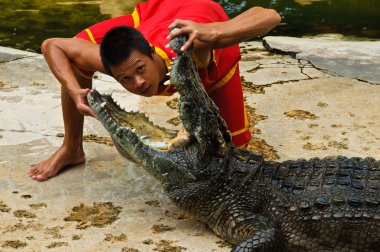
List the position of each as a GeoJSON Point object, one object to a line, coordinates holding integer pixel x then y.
{"type": "Point", "coordinates": [26, 23]}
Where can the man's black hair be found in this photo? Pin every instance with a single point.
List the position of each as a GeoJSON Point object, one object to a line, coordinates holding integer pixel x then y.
{"type": "Point", "coordinates": [118, 44]}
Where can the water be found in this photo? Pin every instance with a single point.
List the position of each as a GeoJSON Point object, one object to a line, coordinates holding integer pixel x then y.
{"type": "Point", "coordinates": [26, 23]}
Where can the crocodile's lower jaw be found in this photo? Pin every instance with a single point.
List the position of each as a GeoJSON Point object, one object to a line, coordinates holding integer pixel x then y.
{"type": "Point", "coordinates": [118, 122]}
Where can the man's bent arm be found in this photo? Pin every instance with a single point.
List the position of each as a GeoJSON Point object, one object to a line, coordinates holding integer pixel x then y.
{"type": "Point", "coordinates": [254, 22]}
{"type": "Point", "coordinates": [61, 53]}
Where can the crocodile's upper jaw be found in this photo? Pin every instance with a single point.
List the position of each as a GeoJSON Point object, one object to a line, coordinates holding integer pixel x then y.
{"type": "Point", "coordinates": [198, 113]}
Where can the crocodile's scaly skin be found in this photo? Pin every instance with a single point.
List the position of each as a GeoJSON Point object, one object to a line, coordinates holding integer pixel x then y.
{"type": "Point", "coordinates": [329, 204]}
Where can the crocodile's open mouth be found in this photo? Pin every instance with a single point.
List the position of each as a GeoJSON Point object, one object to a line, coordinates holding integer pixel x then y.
{"type": "Point", "coordinates": [114, 118]}
{"type": "Point", "coordinates": [139, 140]}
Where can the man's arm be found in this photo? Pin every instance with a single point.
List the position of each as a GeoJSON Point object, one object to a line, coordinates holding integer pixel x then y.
{"type": "Point", "coordinates": [61, 53]}
{"type": "Point", "coordinates": [254, 22]}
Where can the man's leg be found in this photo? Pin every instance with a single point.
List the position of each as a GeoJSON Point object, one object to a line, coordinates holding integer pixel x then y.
{"type": "Point", "coordinates": [71, 151]}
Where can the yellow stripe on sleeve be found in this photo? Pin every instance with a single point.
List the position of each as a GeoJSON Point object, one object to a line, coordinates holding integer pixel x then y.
{"type": "Point", "coordinates": [136, 18]}
{"type": "Point", "coordinates": [89, 33]}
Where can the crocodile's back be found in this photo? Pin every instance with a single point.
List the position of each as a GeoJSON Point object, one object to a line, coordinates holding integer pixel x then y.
{"type": "Point", "coordinates": [331, 203]}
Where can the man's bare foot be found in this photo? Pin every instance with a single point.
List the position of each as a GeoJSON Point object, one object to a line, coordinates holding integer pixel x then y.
{"type": "Point", "coordinates": [180, 140]}
{"type": "Point", "coordinates": [57, 161]}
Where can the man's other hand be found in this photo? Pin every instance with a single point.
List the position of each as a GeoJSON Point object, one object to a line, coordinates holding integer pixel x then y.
{"type": "Point", "coordinates": [202, 32]}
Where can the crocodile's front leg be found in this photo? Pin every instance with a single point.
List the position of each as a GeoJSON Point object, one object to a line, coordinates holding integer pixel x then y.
{"type": "Point", "coordinates": [264, 240]}
{"type": "Point", "coordinates": [251, 232]}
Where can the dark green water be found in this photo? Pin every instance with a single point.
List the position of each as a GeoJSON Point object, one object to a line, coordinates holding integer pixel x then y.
{"type": "Point", "coordinates": [26, 23]}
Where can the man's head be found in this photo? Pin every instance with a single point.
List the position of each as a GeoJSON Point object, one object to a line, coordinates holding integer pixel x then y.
{"type": "Point", "coordinates": [129, 58]}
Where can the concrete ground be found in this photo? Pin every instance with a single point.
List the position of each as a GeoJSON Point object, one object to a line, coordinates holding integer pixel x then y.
{"type": "Point", "coordinates": [322, 99]}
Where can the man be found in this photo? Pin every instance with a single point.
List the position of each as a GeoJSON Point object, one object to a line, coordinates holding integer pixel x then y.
{"type": "Point", "coordinates": [144, 71]}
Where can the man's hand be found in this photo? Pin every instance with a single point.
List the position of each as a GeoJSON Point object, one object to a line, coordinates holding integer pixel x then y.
{"type": "Point", "coordinates": [253, 22]}
{"type": "Point", "coordinates": [80, 99]}
{"type": "Point", "coordinates": [202, 32]}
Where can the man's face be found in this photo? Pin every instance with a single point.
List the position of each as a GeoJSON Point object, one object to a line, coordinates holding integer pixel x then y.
{"type": "Point", "coordinates": [138, 74]}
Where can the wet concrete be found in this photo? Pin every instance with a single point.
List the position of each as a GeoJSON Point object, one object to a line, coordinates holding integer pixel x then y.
{"type": "Point", "coordinates": [303, 111]}
{"type": "Point", "coordinates": [354, 59]}
{"type": "Point", "coordinates": [109, 204]}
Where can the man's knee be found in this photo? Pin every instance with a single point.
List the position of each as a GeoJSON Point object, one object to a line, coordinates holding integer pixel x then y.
{"type": "Point", "coordinates": [46, 44]}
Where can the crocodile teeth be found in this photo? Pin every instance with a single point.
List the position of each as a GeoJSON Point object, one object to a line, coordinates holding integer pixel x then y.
{"type": "Point", "coordinates": [117, 103]}
{"type": "Point", "coordinates": [133, 130]}
{"type": "Point", "coordinates": [103, 104]}
{"type": "Point", "coordinates": [168, 74]}
{"type": "Point", "coordinates": [167, 82]}
{"type": "Point", "coordinates": [169, 68]}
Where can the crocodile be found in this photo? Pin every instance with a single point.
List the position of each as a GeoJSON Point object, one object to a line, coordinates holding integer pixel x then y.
{"type": "Point", "coordinates": [319, 204]}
